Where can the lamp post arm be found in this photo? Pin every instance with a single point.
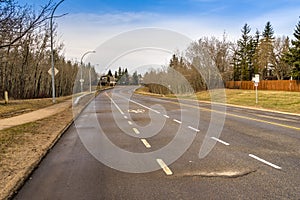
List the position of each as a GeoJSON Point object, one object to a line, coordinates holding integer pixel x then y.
{"type": "Point", "coordinates": [81, 65]}
{"type": "Point", "coordinates": [85, 55]}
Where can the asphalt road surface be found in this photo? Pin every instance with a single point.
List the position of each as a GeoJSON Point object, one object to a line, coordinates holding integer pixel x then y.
{"type": "Point", "coordinates": [127, 146]}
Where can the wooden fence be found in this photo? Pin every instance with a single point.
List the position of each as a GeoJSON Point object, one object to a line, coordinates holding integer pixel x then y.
{"type": "Point", "coordinates": [282, 85]}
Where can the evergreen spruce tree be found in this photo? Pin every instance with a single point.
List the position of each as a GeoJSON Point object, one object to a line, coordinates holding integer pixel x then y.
{"type": "Point", "coordinates": [265, 50]}
{"type": "Point", "coordinates": [135, 78]}
{"type": "Point", "coordinates": [109, 73]}
{"type": "Point", "coordinates": [293, 56]}
{"type": "Point", "coordinates": [244, 55]}
{"type": "Point", "coordinates": [254, 52]}
{"type": "Point", "coordinates": [116, 75]}
{"type": "Point", "coordinates": [119, 72]}
{"type": "Point", "coordinates": [126, 74]}
{"type": "Point", "coordinates": [268, 33]}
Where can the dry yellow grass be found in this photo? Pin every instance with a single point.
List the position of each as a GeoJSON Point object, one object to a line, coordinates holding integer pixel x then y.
{"type": "Point", "coordinates": [18, 107]}
{"type": "Point", "coordinates": [22, 147]}
{"type": "Point", "coordinates": [267, 99]}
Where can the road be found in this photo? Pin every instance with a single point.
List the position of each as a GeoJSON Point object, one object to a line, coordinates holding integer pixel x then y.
{"type": "Point", "coordinates": [128, 146]}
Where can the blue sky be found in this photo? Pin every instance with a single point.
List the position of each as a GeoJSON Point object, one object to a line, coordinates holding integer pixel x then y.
{"type": "Point", "coordinates": [90, 23]}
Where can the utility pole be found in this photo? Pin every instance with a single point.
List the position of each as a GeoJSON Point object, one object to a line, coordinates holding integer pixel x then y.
{"type": "Point", "coordinates": [52, 52]}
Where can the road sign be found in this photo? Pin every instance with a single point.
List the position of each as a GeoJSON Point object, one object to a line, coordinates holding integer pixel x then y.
{"type": "Point", "coordinates": [256, 78]}
{"type": "Point", "coordinates": [256, 81]}
{"type": "Point", "coordinates": [55, 71]}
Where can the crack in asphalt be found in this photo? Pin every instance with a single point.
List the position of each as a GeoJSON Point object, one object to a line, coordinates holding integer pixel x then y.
{"type": "Point", "coordinates": [222, 174]}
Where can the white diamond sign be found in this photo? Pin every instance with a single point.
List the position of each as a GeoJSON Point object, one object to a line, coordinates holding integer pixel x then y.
{"type": "Point", "coordinates": [55, 71]}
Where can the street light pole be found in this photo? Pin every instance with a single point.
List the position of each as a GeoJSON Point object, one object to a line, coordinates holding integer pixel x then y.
{"type": "Point", "coordinates": [81, 65]}
{"type": "Point", "coordinates": [90, 80]}
{"type": "Point", "coordinates": [52, 51]}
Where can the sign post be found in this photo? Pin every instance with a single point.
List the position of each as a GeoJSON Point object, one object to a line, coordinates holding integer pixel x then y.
{"type": "Point", "coordinates": [256, 81]}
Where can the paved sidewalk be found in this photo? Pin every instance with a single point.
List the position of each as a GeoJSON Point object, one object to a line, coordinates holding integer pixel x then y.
{"type": "Point", "coordinates": [35, 115]}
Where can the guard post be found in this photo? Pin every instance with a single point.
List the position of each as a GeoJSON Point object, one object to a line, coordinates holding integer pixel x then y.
{"type": "Point", "coordinates": [6, 97]}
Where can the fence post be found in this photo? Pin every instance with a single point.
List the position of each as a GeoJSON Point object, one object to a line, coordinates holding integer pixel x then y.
{"type": "Point", "coordinates": [6, 97]}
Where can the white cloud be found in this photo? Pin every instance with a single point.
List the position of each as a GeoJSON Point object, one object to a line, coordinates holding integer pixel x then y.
{"type": "Point", "coordinates": [83, 32]}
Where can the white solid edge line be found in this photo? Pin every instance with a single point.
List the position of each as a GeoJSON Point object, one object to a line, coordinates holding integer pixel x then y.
{"type": "Point", "coordinates": [116, 105]}
{"type": "Point", "coordinates": [221, 141]}
{"type": "Point", "coordinates": [166, 116]}
{"type": "Point", "coordinates": [146, 143]}
{"type": "Point", "coordinates": [163, 165]}
{"type": "Point", "coordinates": [136, 131]}
{"type": "Point", "coordinates": [175, 120]}
{"type": "Point", "coordinates": [264, 161]}
{"type": "Point", "coordinates": [194, 129]}
{"type": "Point", "coordinates": [140, 104]}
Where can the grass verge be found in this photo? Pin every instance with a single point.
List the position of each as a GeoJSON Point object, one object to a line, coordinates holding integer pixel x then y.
{"type": "Point", "coordinates": [273, 100]}
{"type": "Point", "coordinates": [23, 147]}
{"type": "Point", "coordinates": [18, 107]}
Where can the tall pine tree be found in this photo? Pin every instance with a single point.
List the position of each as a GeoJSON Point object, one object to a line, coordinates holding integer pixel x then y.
{"type": "Point", "coordinates": [265, 50]}
{"type": "Point", "coordinates": [244, 55]}
{"type": "Point", "coordinates": [254, 52]}
{"type": "Point", "coordinates": [293, 56]}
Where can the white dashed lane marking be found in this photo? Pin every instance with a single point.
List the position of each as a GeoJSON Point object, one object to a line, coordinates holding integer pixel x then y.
{"type": "Point", "coordinates": [136, 130]}
{"type": "Point", "coordinates": [264, 161]}
{"type": "Point", "coordinates": [163, 165]}
{"type": "Point", "coordinates": [146, 143]}
{"type": "Point", "coordinates": [177, 121]}
{"type": "Point", "coordinates": [221, 141]}
{"type": "Point", "coordinates": [194, 129]}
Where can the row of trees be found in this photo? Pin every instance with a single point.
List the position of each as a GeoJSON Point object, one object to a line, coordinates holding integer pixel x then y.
{"type": "Point", "coordinates": [271, 57]}
{"type": "Point", "coordinates": [25, 54]}
{"type": "Point", "coordinates": [179, 77]}
{"type": "Point", "coordinates": [263, 53]}
{"type": "Point", "coordinates": [122, 77]}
